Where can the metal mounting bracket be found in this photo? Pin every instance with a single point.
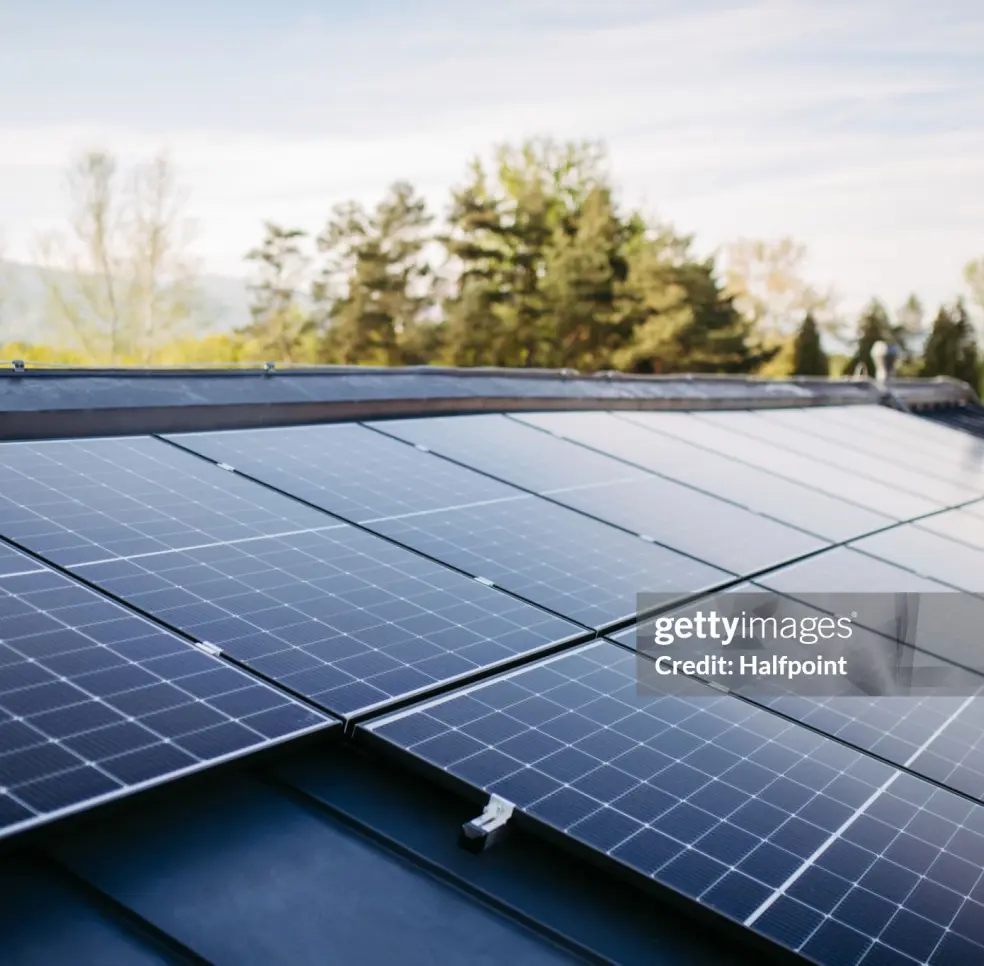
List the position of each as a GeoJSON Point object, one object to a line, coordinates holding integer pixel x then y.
{"type": "Point", "coordinates": [490, 827]}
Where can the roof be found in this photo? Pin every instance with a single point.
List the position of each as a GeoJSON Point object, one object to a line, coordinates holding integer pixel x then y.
{"type": "Point", "coordinates": [258, 684]}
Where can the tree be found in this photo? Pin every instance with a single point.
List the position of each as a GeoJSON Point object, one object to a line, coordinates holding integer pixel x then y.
{"type": "Point", "coordinates": [809, 359]}
{"type": "Point", "coordinates": [121, 282]}
{"type": "Point", "coordinates": [507, 232]}
{"type": "Point", "coordinates": [874, 326]}
{"type": "Point", "coordinates": [282, 328]}
{"type": "Point", "coordinates": [680, 318]}
{"type": "Point", "coordinates": [374, 289]}
{"type": "Point", "coordinates": [951, 349]}
{"type": "Point", "coordinates": [765, 279]}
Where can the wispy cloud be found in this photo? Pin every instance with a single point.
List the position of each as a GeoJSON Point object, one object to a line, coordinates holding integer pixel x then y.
{"type": "Point", "coordinates": [856, 125]}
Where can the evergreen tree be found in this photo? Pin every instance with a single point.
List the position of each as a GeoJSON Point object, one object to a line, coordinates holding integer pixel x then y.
{"type": "Point", "coordinates": [809, 359]}
{"type": "Point", "coordinates": [951, 349]}
{"type": "Point", "coordinates": [508, 235]}
{"type": "Point", "coordinates": [874, 326]}
{"type": "Point", "coordinates": [373, 290]}
{"type": "Point", "coordinates": [680, 320]}
{"type": "Point", "coordinates": [282, 328]}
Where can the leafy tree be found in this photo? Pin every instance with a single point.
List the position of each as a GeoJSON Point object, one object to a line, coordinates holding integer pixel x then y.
{"type": "Point", "coordinates": [120, 281]}
{"type": "Point", "coordinates": [951, 349]}
{"type": "Point", "coordinates": [874, 326]}
{"type": "Point", "coordinates": [282, 329]}
{"type": "Point", "coordinates": [809, 359]}
{"type": "Point", "coordinates": [766, 280]}
{"type": "Point", "coordinates": [375, 285]}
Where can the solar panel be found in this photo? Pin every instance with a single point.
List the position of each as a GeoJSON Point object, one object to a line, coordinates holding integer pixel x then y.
{"type": "Point", "coordinates": [929, 554]}
{"type": "Point", "coordinates": [900, 437]}
{"type": "Point", "coordinates": [339, 616]}
{"type": "Point", "coordinates": [812, 844]}
{"type": "Point", "coordinates": [80, 500]}
{"type": "Point", "coordinates": [806, 431]}
{"type": "Point", "coordinates": [507, 449]}
{"type": "Point", "coordinates": [746, 485]}
{"type": "Point", "coordinates": [569, 563]}
{"type": "Point", "coordinates": [547, 554]}
{"type": "Point", "coordinates": [712, 530]}
{"type": "Point", "coordinates": [96, 702]}
{"type": "Point", "coordinates": [936, 735]}
{"type": "Point", "coordinates": [859, 509]}
{"type": "Point", "coordinates": [964, 526]}
{"type": "Point", "coordinates": [347, 469]}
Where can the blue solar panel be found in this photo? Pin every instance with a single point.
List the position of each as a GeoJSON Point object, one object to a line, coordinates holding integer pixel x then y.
{"type": "Point", "coordinates": [677, 516]}
{"type": "Point", "coordinates": [938, 736]}
{"type": "Point", "coordinates": [86, 500]}
{"type": "Point", "coordinates": [96, 702]}
{"type": "Point", "coordinates": [810, 843]}
{"type": "Point", "coordinates": [562, 560]}
{"type": "Point", "coordinates": [339, 616]}
{"type": "Point", "coordinates": [761, 490]}
{"type": "Point", "coordinates": [336, 614]}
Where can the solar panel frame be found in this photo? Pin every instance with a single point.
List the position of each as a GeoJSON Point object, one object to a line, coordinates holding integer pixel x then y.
{"type": "Point", "coordinates": [802, 833]}
{"type": "Point", "coordinates": [97, 703]}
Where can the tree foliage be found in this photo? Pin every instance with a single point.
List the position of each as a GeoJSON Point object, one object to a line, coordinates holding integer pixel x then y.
{"type": "Point", "coordinates": [951, 349]}
{"type": "Point", "coordinates": [809, 359]}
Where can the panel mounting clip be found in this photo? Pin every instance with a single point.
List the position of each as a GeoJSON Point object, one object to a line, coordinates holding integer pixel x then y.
{"type": "Point", "coordinates": [490, 827]}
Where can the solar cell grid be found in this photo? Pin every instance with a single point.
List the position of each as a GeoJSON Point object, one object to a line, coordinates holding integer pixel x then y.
{"type": "Point", "coordinates": [674, 515]}
{"type": "Point", "coordinates": [547, 554]}
{"type": "Point", "coordinates": [822, 849]}
{"type": "Point", "coordinates": [765, 492]}
{"type": "Point", "coordinates": [937, 735]}
{"type": "Point", "coordinates": [571, 564]}
{"type": "Point", "coordinates": [348, 469]}
{"type": "Point", "coordinates": [84, 500]}
{"type": "Point", "coordinates": [95, 701]}
{"type": "Point", "coordinates": [338, 616]}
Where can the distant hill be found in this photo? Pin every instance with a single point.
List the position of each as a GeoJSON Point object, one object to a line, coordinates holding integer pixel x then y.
{"type": "Point", "coordinates": [22, 288]}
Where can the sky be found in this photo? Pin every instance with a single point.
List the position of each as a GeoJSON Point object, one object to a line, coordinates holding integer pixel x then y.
{"type": "Point", "coordinates": [855, 126]}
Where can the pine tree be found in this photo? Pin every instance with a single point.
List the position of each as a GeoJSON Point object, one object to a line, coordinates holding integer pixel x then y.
{"type": "Point", "coordinates": [874, 326]}
{"type": "Point", "coordinates": [680, 320]}
{"type": "Point", "coordinates": [809, 359]}
{"type": "Point", "coordinates": [373, 290]}
{"type": "Point", "coordinates": [951, 349]}
{"type": "Point", "coordinates": [282, 328]}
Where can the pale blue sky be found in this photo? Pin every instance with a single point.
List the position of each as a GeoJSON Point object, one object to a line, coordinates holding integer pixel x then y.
{"type": "Point", "coordinates": [855, 125]}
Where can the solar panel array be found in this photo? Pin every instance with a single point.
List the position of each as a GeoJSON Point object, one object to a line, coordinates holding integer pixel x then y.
{"type": "Point", "coordinates": [545, 553]}
{"type": "Point", "coordinates": [364, 567]}
{"type": "Point", "coordinates": [96, 701]}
